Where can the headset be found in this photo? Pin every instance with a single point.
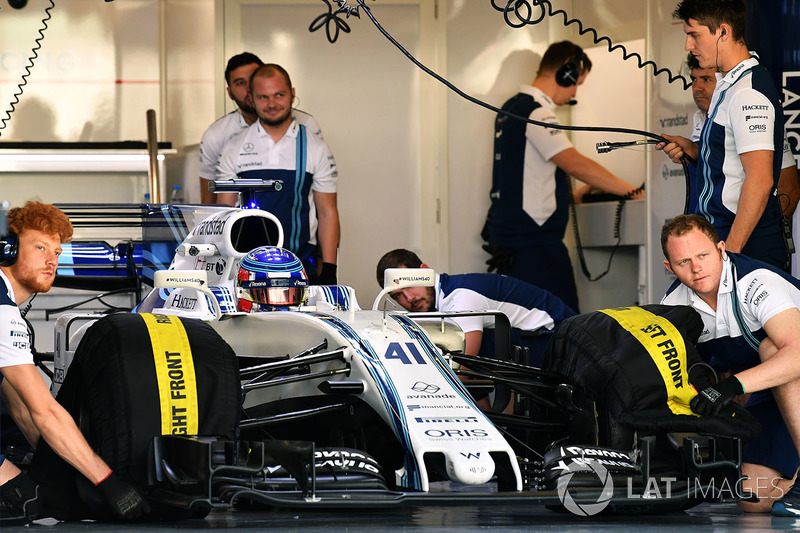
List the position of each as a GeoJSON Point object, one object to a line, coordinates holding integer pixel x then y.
{"type": "Point", "coordinates": [9, 243]}
{"type": "Point", "coordinates": [9, 246]}
{"type": "Point", "coordinates": [567, 74]}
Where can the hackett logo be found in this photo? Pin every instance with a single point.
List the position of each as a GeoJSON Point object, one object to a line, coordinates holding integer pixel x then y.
{"type": "Point", "coordinates": [755, 107]}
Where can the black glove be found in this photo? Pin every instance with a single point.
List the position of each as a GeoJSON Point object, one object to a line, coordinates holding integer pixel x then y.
{"type": "Point", "coordinates": [501, 259]}
{"type": "Point", "coordinates": [328, 275]}
{"type": "Point", "coordinates": [124, 500]}
{"type": "Point", "coordinates": [711, 400]}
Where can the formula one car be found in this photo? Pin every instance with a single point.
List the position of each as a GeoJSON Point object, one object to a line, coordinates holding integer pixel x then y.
{"type": "Point", "coordinates": [325, 404]}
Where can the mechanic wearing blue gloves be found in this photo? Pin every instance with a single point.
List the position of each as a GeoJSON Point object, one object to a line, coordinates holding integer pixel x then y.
{"type": "Point", "coordinates": [751, 318]}
{"type": "Point", "coordinates": [533, 312]}
{"type": "Point", "coordinates": [28, 263]}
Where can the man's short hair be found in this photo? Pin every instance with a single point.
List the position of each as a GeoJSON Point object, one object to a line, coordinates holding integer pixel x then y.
{"type": "Point", "coordinates": [46, 218]}
{"type": "Point", "coordinates": [269, 70]}
{"type": "Point", "coordinates": [712, 13]}
{"type": "Point", "coordinates": [560, 53]}
{"type": "Point", "coordinates": [240, 60]}
{"type": "Point", "coordinates": [399, 258]}
{"type": "Point", "coordinates": [692, 62]}
{"type": "Point", "coordinates": [683, 224]}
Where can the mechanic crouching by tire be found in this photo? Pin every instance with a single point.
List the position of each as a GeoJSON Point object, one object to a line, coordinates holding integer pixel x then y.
{"type": "Point", "coordinates": [28, 263]}
{"type": "Point", "coordinates": [751, 329]}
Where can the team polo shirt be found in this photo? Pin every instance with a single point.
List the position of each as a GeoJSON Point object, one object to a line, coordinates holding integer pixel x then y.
{"type": "Point", "coordinates": [743, 117]}
{"type": "Point", "coordinates": [787, 158]}
{"type": "Point", "coordinates": [227, 127]}
{"type": "Point", "coordinates": [527, 307]}
{"type": "Point", "coordinates": [698, 121]}
{"type": "Point", "coordinates": [530, 194]}
{"type": "Point", "coordinates": [254, 154]}
{"type": "Point", "coordinates": [15, 346]}
{"type": "Point", "coordinates": [753, 290]}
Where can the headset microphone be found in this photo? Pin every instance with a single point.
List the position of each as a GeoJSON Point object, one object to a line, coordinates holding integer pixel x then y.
{"type": "Point", "coordinates": [572, 101]}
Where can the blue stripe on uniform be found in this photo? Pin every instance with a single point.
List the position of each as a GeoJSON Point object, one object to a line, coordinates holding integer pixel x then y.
{"type": "Point", "coordinates": [300, 176]}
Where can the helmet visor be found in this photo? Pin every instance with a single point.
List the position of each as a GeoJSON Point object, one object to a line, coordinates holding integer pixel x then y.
{"type": "Point", "coordinates": [277, 295]}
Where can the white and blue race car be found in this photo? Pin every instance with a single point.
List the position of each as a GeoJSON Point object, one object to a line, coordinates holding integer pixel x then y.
{"type": "Point", "coordinates": [338, 406]}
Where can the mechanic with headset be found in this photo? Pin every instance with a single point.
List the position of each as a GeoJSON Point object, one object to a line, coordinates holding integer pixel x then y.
{"type": "Point", "coordinates": [530, 180]}
{"type": "Point", "coordinates": [278, 147]}
{"type": "Point", "coordinates": [533, 312]}
{"type": "Point", "coordinates": [237, 77]}
{"type": "Point", "coordinates": [703, 82]}
{"type": "Point", "coordinates": [739, 151]}
{"type": "Point", "coordinates": [751, 328]}
{"type": "Point", "coordinates": [28, 263]}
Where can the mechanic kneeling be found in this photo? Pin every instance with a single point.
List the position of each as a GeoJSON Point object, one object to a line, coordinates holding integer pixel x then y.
{"type": "Point", "coordinates": [28, 262]}
{"type": "Point", "coordinates": [751, 317]}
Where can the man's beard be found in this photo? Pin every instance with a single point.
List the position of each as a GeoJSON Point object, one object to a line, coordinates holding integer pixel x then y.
{"type": "Point", "coordinates": [245, 107]}
{"type": "Point", "coordinates": [283, 119]}
{"type": "Point", "coordinates": [430, 301]}
{"type": "Point", "coordinates": [29, 279]}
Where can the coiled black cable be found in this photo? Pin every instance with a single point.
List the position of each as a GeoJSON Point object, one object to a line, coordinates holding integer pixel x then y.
{"type": "Point", "coordinates": [493, 108]}
{"type": "Point", "coordinates": [35, 54]}
{"type": "Point", "coordinates": [523, 11]}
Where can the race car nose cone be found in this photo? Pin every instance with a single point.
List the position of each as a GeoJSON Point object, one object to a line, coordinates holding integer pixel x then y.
{"type": "Point", "coordinates": [471, 468]}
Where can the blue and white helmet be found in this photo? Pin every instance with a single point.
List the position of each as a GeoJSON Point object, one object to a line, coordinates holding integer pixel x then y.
{"type": "Point", "coordinates": [272, 277]}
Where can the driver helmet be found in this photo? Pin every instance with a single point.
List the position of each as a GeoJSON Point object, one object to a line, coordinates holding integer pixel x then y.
{"type": "Point", "coordinates": [270, 277]}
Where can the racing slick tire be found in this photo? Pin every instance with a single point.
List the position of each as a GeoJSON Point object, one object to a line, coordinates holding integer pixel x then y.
{"type": "Point", "coordinates": [134, 377]}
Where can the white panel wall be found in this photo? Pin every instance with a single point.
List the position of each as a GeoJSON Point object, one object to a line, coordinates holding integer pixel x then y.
{"type": "Point", "coordinates": [671, 111]}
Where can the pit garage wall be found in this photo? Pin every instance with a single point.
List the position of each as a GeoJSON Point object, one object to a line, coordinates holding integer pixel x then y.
{"type": "Point", "coordinates": [670, 111]}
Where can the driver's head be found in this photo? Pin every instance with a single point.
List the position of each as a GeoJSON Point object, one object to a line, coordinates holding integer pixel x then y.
{"type": "Point", "coordinates": [270, 278]}
{"type": "Point", "coordinates": [418, 299]}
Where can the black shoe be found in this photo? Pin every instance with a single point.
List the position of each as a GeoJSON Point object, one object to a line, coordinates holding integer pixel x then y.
{"type": "Point", "coordinates": [789, 505]}
{"type": "Point", "coordinates": [19, 501]}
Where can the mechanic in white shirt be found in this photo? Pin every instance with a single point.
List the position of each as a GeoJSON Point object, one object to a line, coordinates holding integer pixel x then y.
{"type": "Point", "coordinates": [531, 174]}
{"type": "Point", "coordinates": [704, 80]}
{"type": "Point", "coordinates": [237, 76]}
{"type": "Point", "coordinates": [277, 147]}
{"type": "Point", "coordinates": [751, 329]}
{"type": "Point", "coordinates": [741, 144]}
{"type": "Point", "coordinates": [28, 268]}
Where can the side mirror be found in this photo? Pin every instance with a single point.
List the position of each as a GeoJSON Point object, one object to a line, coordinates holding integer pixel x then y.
{"type": "Point", "coordinates": [400, 278]}
{"type": "Point", "coordinates": [187, 279]}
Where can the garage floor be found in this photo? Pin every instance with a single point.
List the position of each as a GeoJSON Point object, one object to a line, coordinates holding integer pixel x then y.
{"type": "Point", "coordinates": [706, 517]}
